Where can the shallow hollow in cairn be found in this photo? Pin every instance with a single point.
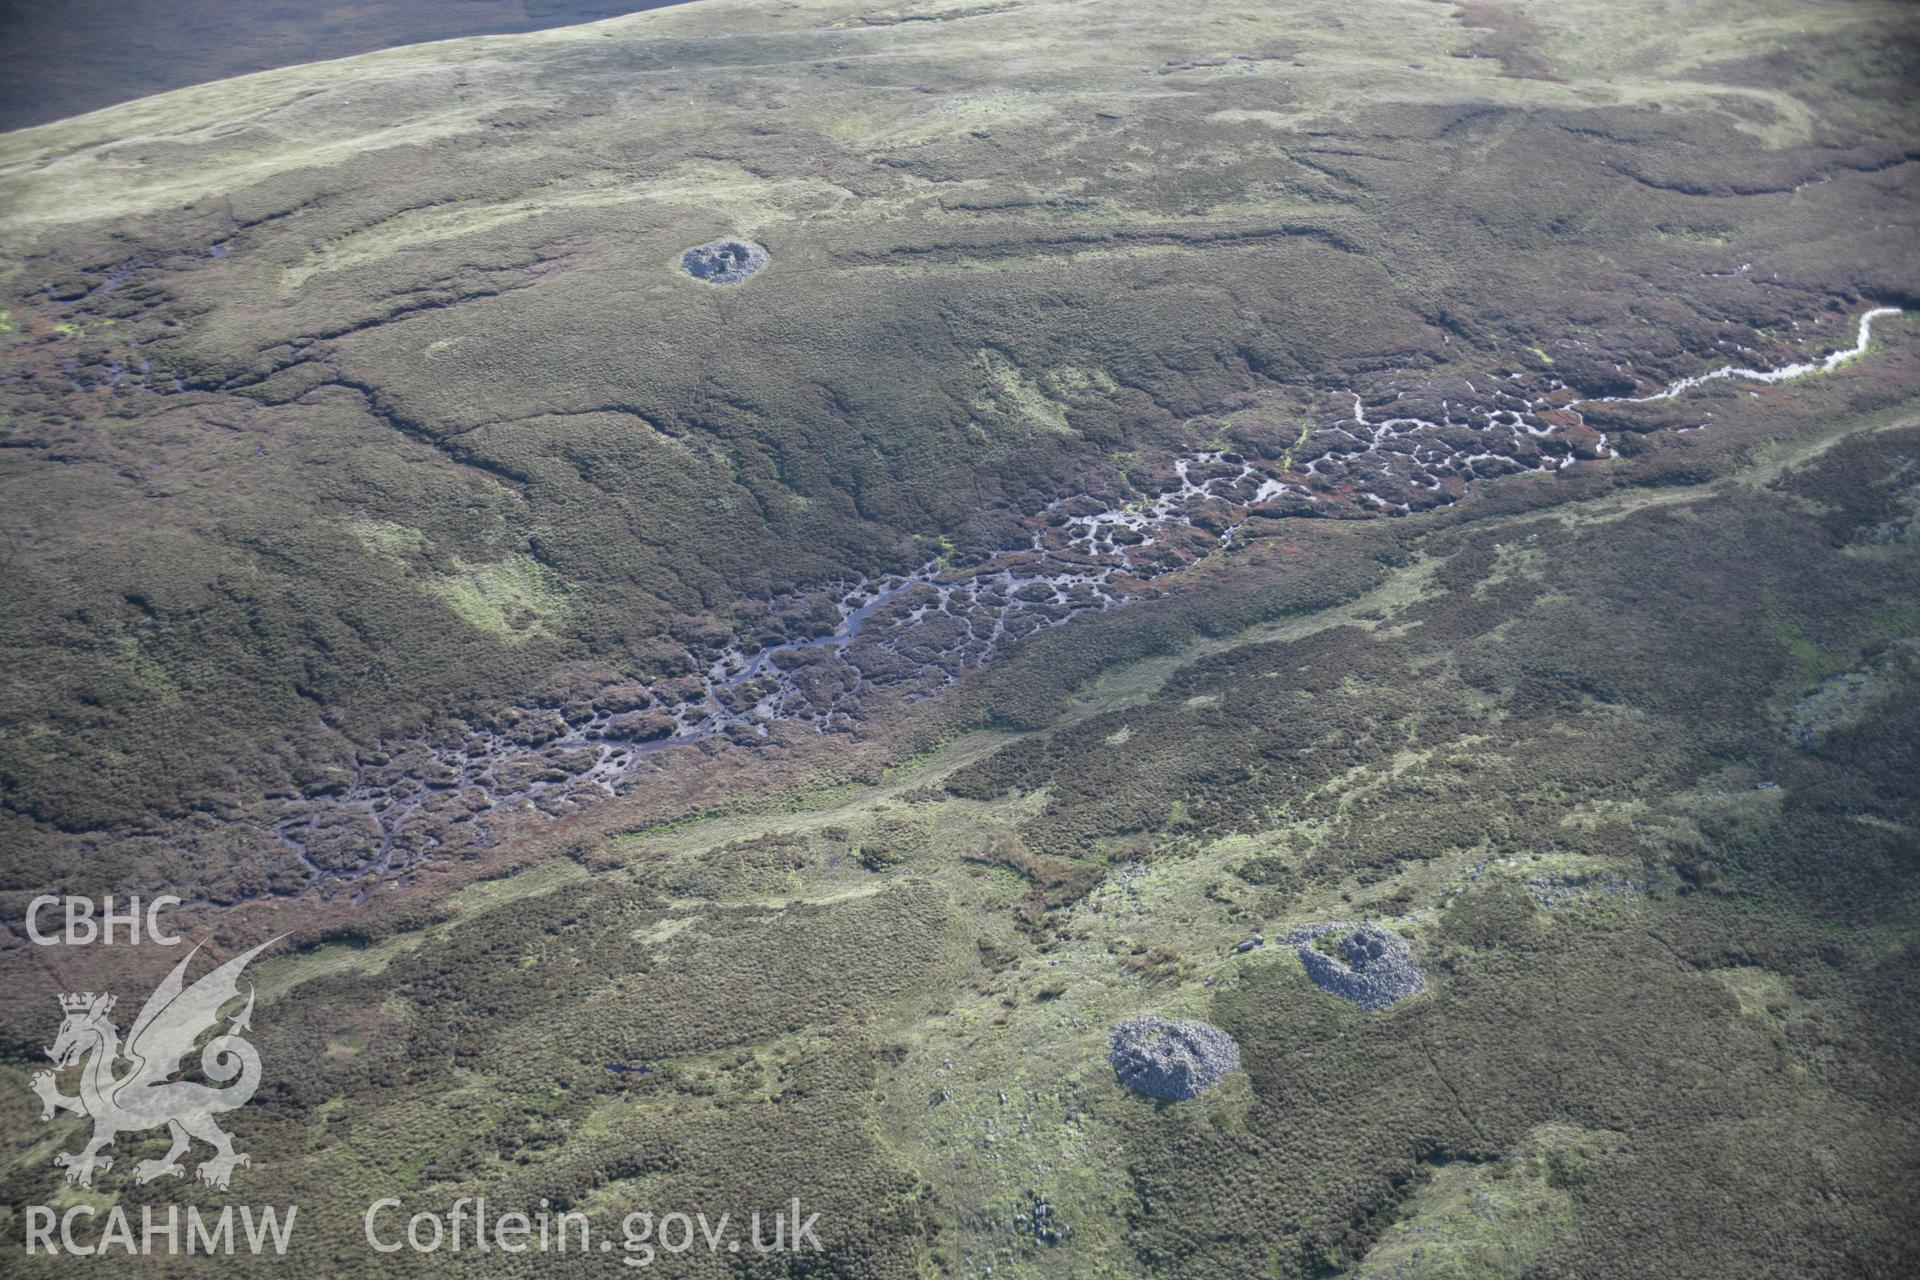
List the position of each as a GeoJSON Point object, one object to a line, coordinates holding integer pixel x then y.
{"type": "Point", "coordinates": [1379, 970]}
{"type": "Point", "coordinates": [723, 261]}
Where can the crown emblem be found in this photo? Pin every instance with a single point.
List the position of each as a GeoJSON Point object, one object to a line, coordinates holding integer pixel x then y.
{"type": "Point", "coordinates": [177, 1023]}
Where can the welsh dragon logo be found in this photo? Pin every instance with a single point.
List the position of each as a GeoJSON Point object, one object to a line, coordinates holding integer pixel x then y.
{"type": "Point", "coordinates": [145, 1096]}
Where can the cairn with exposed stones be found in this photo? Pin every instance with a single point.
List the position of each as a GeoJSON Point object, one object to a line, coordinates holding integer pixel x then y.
{"type": "Point", "coordinates": [1171, 1060]}
{"type": "Point", "coordinates": [723, 261]}
{"type": "Point", "coordinates": [1378, 970]}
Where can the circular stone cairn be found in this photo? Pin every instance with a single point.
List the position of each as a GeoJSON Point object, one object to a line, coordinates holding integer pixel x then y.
{"type": "Point", "coordinates": [723, 261]}
{"type": "Point", "coordinates": [1379, 969]}
{"type": "Point", "coordinates": [1170, 1060]}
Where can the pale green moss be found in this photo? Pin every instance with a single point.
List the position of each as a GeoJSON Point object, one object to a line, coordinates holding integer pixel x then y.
{"type": "Point", "coordinates": [386, 537]}
{"type": "Point", "coordinates": [1488, 1221]}
{"type": "Point", "coordinates": [514, 599]}
{"type": "Point", "coordinates": [1009, 393]}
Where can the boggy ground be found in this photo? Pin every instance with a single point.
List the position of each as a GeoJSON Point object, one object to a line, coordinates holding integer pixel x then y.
{"type": "Point", "coordinates": [1622, 748]}
{"type": "Point", "coordinates": [1551, 737]}
{"type": "Point", "coordinates": [351, 405]}
{"type": "Point", "coordinates": [922, 631]}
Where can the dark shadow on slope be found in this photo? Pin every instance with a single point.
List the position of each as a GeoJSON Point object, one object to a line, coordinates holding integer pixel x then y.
{"type": "Point", "coordinates": [59, 60]}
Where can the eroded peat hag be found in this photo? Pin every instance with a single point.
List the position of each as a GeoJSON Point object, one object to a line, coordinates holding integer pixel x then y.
{"type": "Point", "coordinates": [912, 634]}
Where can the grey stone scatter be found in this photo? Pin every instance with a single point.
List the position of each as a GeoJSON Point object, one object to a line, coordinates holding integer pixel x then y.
{"type": "Point", "coordinates": [1043, 1222]}
{"type": "Point", "coordinates": [723, 261]}
{"type": "Point", "coordinates": [1378, 971]}
{"type": "Point", "coordinates": [1170, 1060]}
{"type": "Point", "coordinates": [1842, 701]}
{"type": "Point", "coordinates": [1560, 891]}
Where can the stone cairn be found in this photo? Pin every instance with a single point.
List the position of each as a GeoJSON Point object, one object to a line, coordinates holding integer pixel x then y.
{"type": "Point", "coordinates": [1378, 971]}
{"type": "Point", "coordinates": [723, 261]}
{"type": "Point", "coordinates": [1171, 1060]}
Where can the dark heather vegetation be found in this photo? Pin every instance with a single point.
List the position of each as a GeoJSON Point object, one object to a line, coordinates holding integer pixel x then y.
{"type": "Point", "coordinates": [356, 415]}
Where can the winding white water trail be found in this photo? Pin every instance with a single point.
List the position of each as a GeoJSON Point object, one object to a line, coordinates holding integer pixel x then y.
{"type": "Point", "coordinates": [1826, 364]}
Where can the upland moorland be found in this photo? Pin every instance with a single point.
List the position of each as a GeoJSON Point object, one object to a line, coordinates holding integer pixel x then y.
{"type": "Point", "coordinates": [1162, 482]}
